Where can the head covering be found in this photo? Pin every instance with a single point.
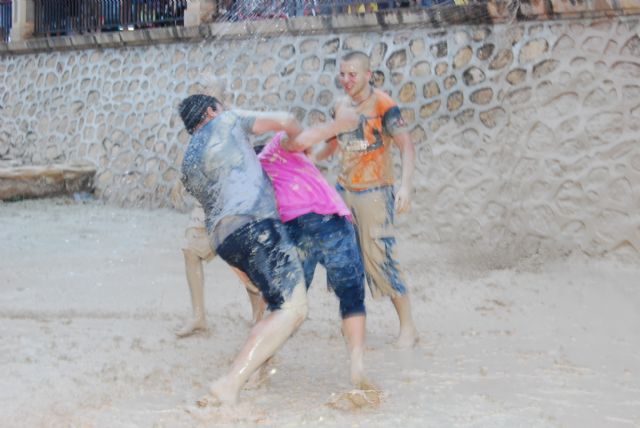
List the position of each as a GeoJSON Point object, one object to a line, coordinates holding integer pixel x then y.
{"type": "Point", "coordinates": [193, 108]}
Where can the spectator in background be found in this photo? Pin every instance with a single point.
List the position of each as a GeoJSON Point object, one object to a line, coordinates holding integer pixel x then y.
{"type": "Point", "coordinates": [362, 7]}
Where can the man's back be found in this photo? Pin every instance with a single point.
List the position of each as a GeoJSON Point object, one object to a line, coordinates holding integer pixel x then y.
{"type": "Point", "coordinates": [222, 172]}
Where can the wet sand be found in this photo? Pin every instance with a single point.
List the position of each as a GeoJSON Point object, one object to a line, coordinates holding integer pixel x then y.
{"type": "Point", "coordinates": [90, 296]}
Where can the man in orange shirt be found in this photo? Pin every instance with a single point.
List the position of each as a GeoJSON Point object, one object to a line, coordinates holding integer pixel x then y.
{"type": "Point", "coordinates": [366, 182]}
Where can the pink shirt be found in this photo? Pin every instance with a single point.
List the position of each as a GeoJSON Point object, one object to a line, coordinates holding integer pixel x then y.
{"type": "Point", "coordinates": [299, 186]}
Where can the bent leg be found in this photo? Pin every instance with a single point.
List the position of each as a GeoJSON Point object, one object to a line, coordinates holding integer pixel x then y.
{"type": "Point", "coordinates": [258, 305]}
{"type": "Point", "coordinates": [264, 251]}
{"type": "Point", "coordinates": [266, 337]}
{"type": "Point", "coordinates": [353, 328]}
{"type": "Point", "coordinates": [345, 274]}
{"type": "Point", "coordinates": [374, 220]}
{"type": "Point", "coordinates": [408, 335]}
{"type": "Point", "coordinates": [195, 280]}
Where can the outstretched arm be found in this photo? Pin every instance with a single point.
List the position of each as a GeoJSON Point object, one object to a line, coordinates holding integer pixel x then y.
{"type": "Point", "coordinates": [311, 136]}
{"type": "Point", "coordinates": [346, 119]}
{"type": "Point", "coordinates": [272, 121]}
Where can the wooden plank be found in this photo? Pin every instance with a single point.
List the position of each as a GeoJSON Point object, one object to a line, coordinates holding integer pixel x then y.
{"type": "Point", "coordinates": [27, 182]}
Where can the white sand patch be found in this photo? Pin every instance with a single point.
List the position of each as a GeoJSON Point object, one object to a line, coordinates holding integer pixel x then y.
{"type": "Point", "coordinates": [90, 296]}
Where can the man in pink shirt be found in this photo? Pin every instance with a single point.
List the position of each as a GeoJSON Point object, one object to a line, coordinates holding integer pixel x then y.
{"type": "Point", "coordinates": [319, 224]}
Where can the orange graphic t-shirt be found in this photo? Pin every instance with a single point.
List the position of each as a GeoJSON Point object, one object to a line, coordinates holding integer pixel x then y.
{"type": "Point", "coordinates": [365, 151]}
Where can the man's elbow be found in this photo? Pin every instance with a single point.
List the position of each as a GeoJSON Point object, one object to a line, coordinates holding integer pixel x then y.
{"type": "Point", "coordinates": [404, 143]}
{"type": "Point", "coordinates": [291, 125]}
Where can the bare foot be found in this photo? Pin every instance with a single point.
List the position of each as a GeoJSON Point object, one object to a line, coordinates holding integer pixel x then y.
{"type": "Point", "coordinates": [406, 339]}
{"type": "Point", "coordinates": [192, 327]}
{"type": "Point", "coordinates": [220, 392]}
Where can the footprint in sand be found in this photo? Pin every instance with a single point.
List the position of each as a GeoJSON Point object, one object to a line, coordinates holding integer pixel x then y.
{"type": "Point", "coordinates": [214, 412]}
{"type": "Point", "coordinates": [356, 399]}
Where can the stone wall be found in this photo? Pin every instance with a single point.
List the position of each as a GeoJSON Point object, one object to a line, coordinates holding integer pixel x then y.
{"type": "Point", "coordinates": [527, 135]}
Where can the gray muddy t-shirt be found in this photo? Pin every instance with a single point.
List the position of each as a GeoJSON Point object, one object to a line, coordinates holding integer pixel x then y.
{"type": "Point", "coordinates": [221, 170]}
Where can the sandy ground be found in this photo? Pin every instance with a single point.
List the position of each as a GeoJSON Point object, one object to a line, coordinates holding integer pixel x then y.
{"type": "Point", "coordinates": [90, 296]}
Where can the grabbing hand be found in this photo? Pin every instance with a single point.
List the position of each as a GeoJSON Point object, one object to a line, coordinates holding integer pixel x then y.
{"type": "Point", "coordinates": [403, 200]}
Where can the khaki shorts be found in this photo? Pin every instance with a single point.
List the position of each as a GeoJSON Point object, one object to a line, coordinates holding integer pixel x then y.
{"type": "Point", "coordinates": [373, 212]}
{"type": "Point", "coordinates": [196, 238]}
{"type": "Point", "coordinates": [197, 242]}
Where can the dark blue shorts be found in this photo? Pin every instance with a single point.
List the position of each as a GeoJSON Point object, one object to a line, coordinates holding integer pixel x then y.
{"type": "Point", "coordinates": [331, 241]}
{"type": "Point", "coordinates": [263, 250]}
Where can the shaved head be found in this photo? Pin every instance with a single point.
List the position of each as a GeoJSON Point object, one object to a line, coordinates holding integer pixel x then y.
{"type": "Point", "coordinates": [360, 57]}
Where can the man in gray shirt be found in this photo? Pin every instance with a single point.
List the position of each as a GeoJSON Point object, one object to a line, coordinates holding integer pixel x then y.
{"type": "Point", "coordinates": [221, 170]}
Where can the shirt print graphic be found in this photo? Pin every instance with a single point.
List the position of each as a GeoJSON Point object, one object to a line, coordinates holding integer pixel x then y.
{"type": "Point", "coordinates": [365, 138]}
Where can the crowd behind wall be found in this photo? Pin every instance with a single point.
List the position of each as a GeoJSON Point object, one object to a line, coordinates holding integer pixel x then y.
{"type": "Point", "coordinates": [67, 17]}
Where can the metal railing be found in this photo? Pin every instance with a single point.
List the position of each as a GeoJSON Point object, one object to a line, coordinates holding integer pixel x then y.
{"type": "Point", "coordinates": [263, 9]}
{"type": "Point", "coordinates": [64, 17]}
{"type": "Point", "coordinates": [5, 20]}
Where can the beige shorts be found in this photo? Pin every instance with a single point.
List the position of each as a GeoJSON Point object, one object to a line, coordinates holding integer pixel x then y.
{"type": "Point", "coordinates": [373, 214]}
{"type": "Point", "coordinates": [197, 241]}
{"type": "Point", "coordinates": [196, 238]}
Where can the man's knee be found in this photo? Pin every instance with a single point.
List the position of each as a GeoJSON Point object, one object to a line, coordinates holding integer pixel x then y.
{"type": "Point", "coordinates": [297, 304]}
{"type": "Point", "coordinates": [190, 255]}
{"type": "Point", "coordinates": [351, 300]}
